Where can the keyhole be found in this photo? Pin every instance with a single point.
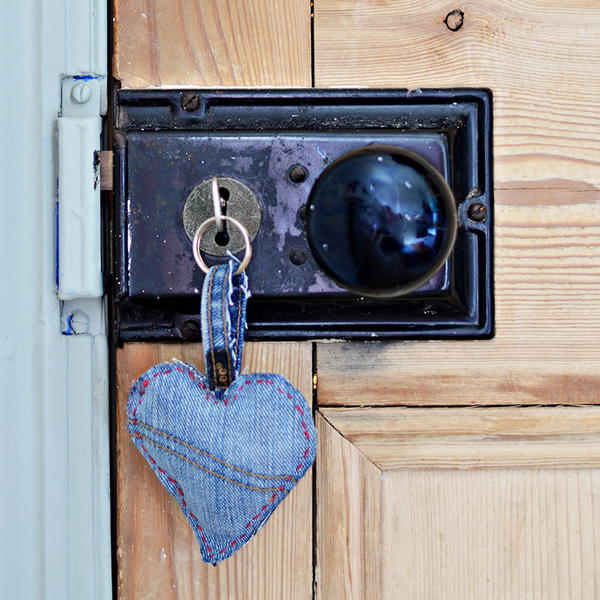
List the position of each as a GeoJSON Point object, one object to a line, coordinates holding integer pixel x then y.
{"type": "Point", "coordinates": [222, 237]}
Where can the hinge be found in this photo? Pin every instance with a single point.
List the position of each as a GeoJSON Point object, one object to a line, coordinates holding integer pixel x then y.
{"type": "Point", "coordinates": [79, 252]}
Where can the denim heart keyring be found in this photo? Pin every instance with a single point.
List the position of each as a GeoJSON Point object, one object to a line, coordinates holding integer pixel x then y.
{"type": "Point", "coordinates": [228, 447]}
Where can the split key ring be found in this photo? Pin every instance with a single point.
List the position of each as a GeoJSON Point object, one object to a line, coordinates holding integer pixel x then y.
{"type": "Point", "coordinates": [196, 243]}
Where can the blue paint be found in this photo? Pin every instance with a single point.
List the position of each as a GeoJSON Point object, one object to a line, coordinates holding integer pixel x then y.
{"type": "Point", "coordinates": [85, 77]}
{"type": "Point", "coordinates": [69, 330]}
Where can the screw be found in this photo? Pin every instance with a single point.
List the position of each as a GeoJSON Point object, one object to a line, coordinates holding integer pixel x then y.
{"type": "Point", "coordinates": [454, 20]}
{"type": "Point", "coordinates": [81, 93]}
{"type": "Point", "coordinates": [297, 256]}
{"type": "Point", "coordinates": [78, 322]}
{"type": "Point", "coordinates": [297, 174]}
{"type": "Point", "coordinates": [477, 212]}
{"type": "Point", "coordinates": [190, 101]}
{"type": "Point", "coordinates": [190, 330]}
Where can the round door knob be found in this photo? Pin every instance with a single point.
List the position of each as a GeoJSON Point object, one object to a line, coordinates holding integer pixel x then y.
{"type": "Point", "coordinates": [381, 221]}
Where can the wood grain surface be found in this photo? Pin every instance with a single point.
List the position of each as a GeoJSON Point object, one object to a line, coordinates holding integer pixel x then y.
{"type": "Point", "coordinates": [385, 533]}
{"type": "Point", "coordinates": [212, 43]}
{"type": "Point", "coordinates": [157, 553]}
{"type": "Point", "coordinates": [541, 58]}
{"type": "Point", "coordinates": [472, 438]}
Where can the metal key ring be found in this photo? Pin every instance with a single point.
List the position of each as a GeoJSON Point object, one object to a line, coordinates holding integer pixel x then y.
{"type": "Point", "coordinates": [198, 240]}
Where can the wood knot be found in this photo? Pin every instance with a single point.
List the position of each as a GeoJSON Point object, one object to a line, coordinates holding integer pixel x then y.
{"type": "Point", "coordinates": [454, 20]}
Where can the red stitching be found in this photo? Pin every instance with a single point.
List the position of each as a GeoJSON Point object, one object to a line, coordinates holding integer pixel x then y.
{"type": "Point", "coordinates": [179, 489]}
{"type": "Point", "coordinates": [203, 537]}
{"type": "Point", "coordinates": [146, 382]}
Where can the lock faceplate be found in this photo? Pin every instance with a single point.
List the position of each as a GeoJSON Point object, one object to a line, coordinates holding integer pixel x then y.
{"type": "Point", "coordinates": [265, 140]}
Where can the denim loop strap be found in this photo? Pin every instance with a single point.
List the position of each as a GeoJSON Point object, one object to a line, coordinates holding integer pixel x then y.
{"type": "Point", "coordinates": [223, 315]}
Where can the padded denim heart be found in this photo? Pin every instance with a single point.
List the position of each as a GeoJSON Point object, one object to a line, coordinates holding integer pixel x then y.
{"type": "Point", "coordinates": [229, 459]}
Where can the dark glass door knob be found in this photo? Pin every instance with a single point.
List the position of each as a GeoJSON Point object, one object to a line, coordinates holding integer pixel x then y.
{"type": "Point", "coordinates": [381, 221]}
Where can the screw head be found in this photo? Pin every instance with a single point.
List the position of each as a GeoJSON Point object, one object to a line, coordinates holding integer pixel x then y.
{"type": "Point", "coordinates": [190, 330]}
{"type": "Point", "coordinates": [78, 322]}
{"type": "Point", "coordinates": [477, 212]}
{"type": "Point", "coordinates": [190, 101]}
{"type": "Point", "coordinates": [81, 93]}
{"type": "Point", "coordinates": [297, 174]}
{"type": "Point", "coordinates": [297, 256]}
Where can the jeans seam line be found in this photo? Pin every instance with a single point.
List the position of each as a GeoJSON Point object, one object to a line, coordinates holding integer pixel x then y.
{"type": "Point", "coordinates": [205, 453]}
{"type": "Point", "coordinates": [207, 470]}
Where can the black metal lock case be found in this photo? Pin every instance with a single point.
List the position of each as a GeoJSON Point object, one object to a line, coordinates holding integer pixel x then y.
{"type": "Point", "coordinates": [268, 148]}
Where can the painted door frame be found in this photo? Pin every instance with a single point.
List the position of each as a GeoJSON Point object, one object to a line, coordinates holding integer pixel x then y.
{"type": "Point", "coordinates": [54, 437]}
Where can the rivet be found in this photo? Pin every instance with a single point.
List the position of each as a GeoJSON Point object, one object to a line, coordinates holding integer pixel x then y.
{"type": "Point", "coordinates": [297, 174]}
{"type": "Point", "coordinates": [297, 256]}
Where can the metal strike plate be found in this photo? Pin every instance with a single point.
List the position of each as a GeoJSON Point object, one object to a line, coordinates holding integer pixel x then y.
{"type": "Point", "coordinates": [275, 144]}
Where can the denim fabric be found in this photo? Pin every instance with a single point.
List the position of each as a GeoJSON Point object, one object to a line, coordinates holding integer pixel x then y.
{"type": "Point", "coordinates": [223, 312]}
{"type": "Point", "coordinates": [229, 456]}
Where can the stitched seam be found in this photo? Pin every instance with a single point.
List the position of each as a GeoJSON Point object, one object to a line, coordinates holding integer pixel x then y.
{"type": "Point", "coordinates": [186, 510]}
{"type": "Point", "coordinates": [281, 488]}
{"type": "Point", "coordinates": [196, 464]}
{"type": "Point", "coordinates": [237, 332]}
{"type": "Point", "coordinates": [224, 302]}
{"type": "Point", "coordinates": [205, 453]}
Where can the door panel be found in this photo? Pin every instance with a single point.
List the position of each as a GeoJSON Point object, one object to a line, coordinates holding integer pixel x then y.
{"type": "Point", "coordinates": [212, 43]}
{"type": "Point", "coordinates": [157, 553]}
{"type": "Point", "coordinates": [540, 57]}
{"type": "Point", "coordinates": [459, 504]}
{"type": "Point", "coordinates": [412, 503]}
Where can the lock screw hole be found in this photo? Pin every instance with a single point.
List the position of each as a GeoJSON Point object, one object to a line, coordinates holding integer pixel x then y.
{"type": "Point", "coordinates": [190, 330]}
{"type": "Point", "coordinates": [297, 174]}
{"type": "Point", "coordinates": [297, 256]}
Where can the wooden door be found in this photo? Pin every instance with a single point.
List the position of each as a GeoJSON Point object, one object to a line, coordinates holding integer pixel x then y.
{"type": "Point", "coordinates": [451, 470]}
